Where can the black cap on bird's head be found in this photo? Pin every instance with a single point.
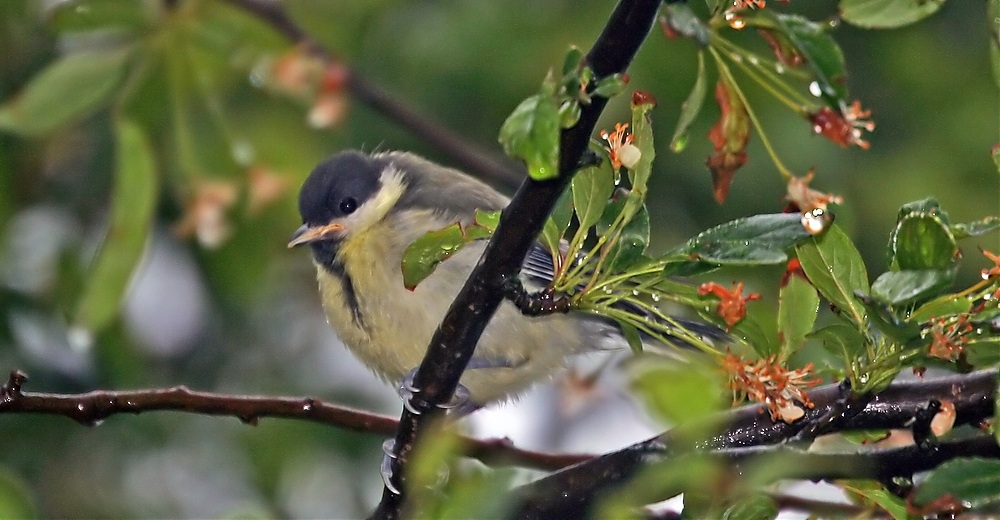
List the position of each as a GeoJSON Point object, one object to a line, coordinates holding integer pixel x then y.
{"type": "Point", "coordinates": [335, 189]}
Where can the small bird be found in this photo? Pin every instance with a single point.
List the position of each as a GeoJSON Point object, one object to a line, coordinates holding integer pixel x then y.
{"type": "Point", "coordinates": [359, 214]}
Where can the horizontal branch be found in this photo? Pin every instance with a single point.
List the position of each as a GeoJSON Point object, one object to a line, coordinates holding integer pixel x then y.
{"type": "Point", "coordinates": [92, 408]}
{"type": "Point", "coordinates": [571, 492]}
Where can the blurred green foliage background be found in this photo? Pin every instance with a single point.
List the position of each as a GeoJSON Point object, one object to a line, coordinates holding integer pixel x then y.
{"type": "Point", "coordinates": [239, 313]}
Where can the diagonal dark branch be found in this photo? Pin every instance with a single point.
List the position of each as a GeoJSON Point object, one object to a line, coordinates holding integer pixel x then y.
{"type": "Point", "coordinates": [570, 493]}
{"type": "Point", "coordinates": [493, 168]}
{"type": "Point", "coordinates": [455, 339]}
{"type": "Point", "coordinates": [93, 407]}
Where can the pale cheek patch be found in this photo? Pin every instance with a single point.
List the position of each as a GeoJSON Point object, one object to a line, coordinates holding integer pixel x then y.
{"type": "Point", "coordinates": [375, 209]}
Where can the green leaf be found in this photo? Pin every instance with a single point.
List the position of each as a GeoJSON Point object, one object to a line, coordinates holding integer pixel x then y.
{"type": "Point", "coordinates": [691, 107]}
{"type": "Point", "coordinates": [609, 86]}
{"type": "Point", "coordinates": [922, 240]}
{"type": "Point", "coordinates": [685, 22]}
{"type": "Point", "coordinates": [886, 14]}
{"type": "Point", "coordinates": [974, 229]}
{"type": "Point", "coordinates": [133, 204]}
{"type": "Point", "coordinates": [911, 285]}
{"type": "Point", "coordinates": [631, 335]}
{"type": "Point", "coordinates": [630, 244]}
{"type": "Point", "coordinates": [983, 354]}
{"type": "Point", "coordinates": [422, 257]}
{"type": "Point", "coordinates": [751, 332]}
{"type": "Point", "coordinates": [67, 90]}
{"type": "Point", "coordinates": [972, 482]}
{"type": "Point", "coordinates": [15, 497]}
{"type": "Point", "coordinates": [99, 15]}
{"type": "Point", "coordinates": [531, 133]}
{"type": "Point", "coordinates": [558, 221]}
{"type": "Point", "coordinates": [642, 138]}
{"type": "Point", "coordinates": [840, 339]}
{"type": "Point", "coordinates": [754, 507]}
{"type": "Point", "coordinates": [872, 492]}
{"type": "Point", "coordinates": [592, 187]}
{"type": "Point", "coordinates": [835, 268]}
{"type": "Point", "coordinates": [798, 304]}
{"type": "Point", "coordinates": [945, 305]}
{"type": "Point", "coordinates": [660, 384]}
{"type": "Point", "coordinates": [821, 52]}
{"type": "Point", "coordinates": [572, 61]}
{"type": "Point", "coordinates": [756, 240]}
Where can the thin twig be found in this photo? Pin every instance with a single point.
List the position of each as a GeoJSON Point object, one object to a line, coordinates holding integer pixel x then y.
{"type": "Point", "coordinates": [491, 167]}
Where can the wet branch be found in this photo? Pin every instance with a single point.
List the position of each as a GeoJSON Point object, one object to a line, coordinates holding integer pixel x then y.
{"type": "Point", "coordinates": [92, 408]}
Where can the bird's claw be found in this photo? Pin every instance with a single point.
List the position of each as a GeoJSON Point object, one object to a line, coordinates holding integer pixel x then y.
{"type": "Point", "coordinates": [385, 468]}
{"type": "Point", "coordinates": [408, 392]}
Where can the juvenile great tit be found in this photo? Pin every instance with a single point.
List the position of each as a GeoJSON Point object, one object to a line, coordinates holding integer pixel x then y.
{"type": "Point", "coordinates": [361, 211]}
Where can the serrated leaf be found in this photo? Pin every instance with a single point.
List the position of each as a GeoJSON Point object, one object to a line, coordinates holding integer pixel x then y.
{"type": "Point", "coordinates": [691, 107]}
{"type": "Point", "coordinates": [836, 269]}
{"type": "Point", "coordinates": [974, 229]}
{"type": "Point", "coordinates": [531, 133]}
{"type": "Point", "coordinates": [68, 89]}
{"type": "Point", "coordinates": [558, 221]}
{"type": "Point", "coordinates": [754, 507]}
{"type": "Point", "coordinates": [798, 304]}
{"type": "Point", "coordinates": [756, 240]}
{"type": "Point", "coordinates": [592, 187]}
{"type": "Point", "coordinates": [911, 285]}
{"type": "Point", "coordinates": [133, 204]}
{"type": "Point", "coordinates": [887, 14]}
{"type": "Point", "coordinates": [972, 482]}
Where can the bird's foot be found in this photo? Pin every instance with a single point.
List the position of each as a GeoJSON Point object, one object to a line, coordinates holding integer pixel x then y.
{"type": "Point", "coordinates": [459, 401]}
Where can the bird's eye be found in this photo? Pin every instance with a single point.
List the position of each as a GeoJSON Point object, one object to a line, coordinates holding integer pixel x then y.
{"type": "Point", "coordinates": [348, 205]}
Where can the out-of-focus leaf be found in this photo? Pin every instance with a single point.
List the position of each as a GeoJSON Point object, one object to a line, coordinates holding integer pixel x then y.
{"type": "Point", "coordinates": [99, 15]}
{"type": "Point", "coordinates": [685, 22]}
{"type": "Point", "coordinates": [592, 187]}
{"type": "Point", "coordinates": [983, 354]}
{"type": "Point", "coordinates": [974, 229]}
{"type": "Point", "coordinates": [133, 203]}
{"type": "Point", "coordinates": [871, 492]}
{"type": "Point", "coordinates": [691, 107]}
{"type": "Point", "coordinates": [631, 335]}
{"type": "Point", "coordinates": [922, 241]}
{"type": "Point", "coordinates": [754, 507]}
{"type": "Point", "coordinates": [15, 498]}
{"type": "Point", "coordinates": [573, 60]}
{"type": "Point", "coordinates": [887, 14]}
{"type": "Point", "coordinates": [756, 240]}
{"type": "Point", "coordinates": [750, 331]}
{"type": "Point", "coordinates": [68, 89]}
{"type": "Point", "coordinates": [836, 269]}
{"type": "Point", "coordinates": [531, 133]}
{"type": "Point", "coordinates": [660, 384]}
{"type": "Point", "coordinates": [557, 222]}
{"type": "Point", "coordinates": [911, 285]}
{"type": "Point", "coordinates": [422, 257]}
{"type": "Point", "coordinates": [969, 482]}
{"type": "Point", "coordinates": [798, 304]}
{"type": "Point", "coordinates": [729, 138]}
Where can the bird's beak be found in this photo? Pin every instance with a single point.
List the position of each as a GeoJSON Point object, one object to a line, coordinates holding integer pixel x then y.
{"type": "Point", "coordinates": [306, 234]}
